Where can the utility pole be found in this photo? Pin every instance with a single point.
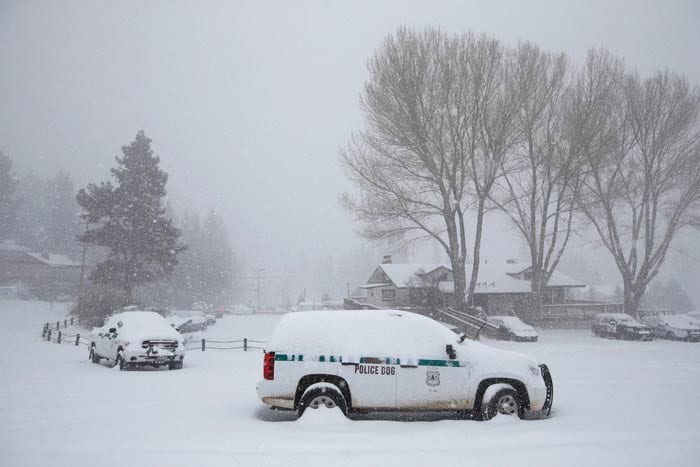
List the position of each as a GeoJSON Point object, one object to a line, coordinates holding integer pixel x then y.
{"type": "Point", "coordinates": [82, 263]}
{"type": "Point", "coordinates": [260, 278]}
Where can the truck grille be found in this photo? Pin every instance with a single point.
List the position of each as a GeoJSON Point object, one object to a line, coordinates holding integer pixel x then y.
{"type": "Point", "coordinates": [160, 343]}
{"type": "Point", "coordinates": [546, 375]}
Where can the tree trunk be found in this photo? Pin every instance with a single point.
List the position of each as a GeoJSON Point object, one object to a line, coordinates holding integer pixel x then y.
{"type": "Point", "coordinates": [632, 299]}
{"type": "Point", "coordinates": [460, 282]}
{"type": "Point", "coordinates": [535, 308]}
{"type": "Point", "coordinates": [476, 254]}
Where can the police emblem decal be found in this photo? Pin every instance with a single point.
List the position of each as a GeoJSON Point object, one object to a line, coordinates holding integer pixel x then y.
{"type": "Point", "coordinates": [432, 378]}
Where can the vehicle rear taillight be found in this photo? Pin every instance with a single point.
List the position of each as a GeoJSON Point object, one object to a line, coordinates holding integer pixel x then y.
{"type": "Point", "coordinates": [269, 366]}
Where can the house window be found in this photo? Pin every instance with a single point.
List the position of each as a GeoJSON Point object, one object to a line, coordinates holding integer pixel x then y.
{"type": "Point", "coordinates": [388, 294]}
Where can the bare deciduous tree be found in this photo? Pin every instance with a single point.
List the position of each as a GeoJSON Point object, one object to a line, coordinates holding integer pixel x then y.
{"type": "Point", "coordinates": [409, 165]}
{"type": "Point", "coordinates": [492, 132]}
{"type": "Point", "coordinates": [643, 182]}
{"type": "Point", "coordinates": [540, 178]}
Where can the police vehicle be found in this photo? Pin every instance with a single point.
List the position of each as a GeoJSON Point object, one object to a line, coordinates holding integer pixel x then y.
{"type": "Point", "coordinates": [387, 360]}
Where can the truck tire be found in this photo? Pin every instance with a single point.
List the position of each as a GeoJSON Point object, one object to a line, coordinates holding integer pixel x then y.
{"type": "Point", "coordinates": [322, 395]}
{"type": "Point", "coordinates": [123, 365]}
{"type": "Point", "coordinates": [94, 358]}
{"type": "Point", "coordinates": [175, 365]}
{"type": "Point", "coordinates": [504, 402]}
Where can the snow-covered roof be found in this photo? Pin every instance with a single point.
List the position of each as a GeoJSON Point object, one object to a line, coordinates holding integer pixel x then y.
{"type": "Point", "coordinates": [139, 325]}
{"type": "Point", "coordinates": [351, 334]}
{"type": "Point", "coordinates": [11, 245]}
{"type": "Point", "coordinates": [401, 274]}
{"type": "Point", "coordinates": [495, 278]}
{"type": "Point", "coordinates": [52, 259]}
{"type": "Point", "coordinates": [559, 279]}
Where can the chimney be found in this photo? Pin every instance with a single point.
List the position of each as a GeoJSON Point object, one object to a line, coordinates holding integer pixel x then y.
{"type": "Point", "coordinates": [387, 259]}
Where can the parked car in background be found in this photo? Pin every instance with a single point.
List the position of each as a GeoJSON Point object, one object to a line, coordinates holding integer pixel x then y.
{"type": "Point", "coordinates": [243, 310]}
{"type": "Point", "coordinates": [194, 320]}
{"type": "Point", "coordinates": [674, 327]}
{"type": "Point", "coordinates": [137, 338]}
{"type": "Point", "coordinates": [694, 316]}
{"type": "Point", "coordinates": [511, 328]}
{"type": "Point", "coordinates": [620, 326]}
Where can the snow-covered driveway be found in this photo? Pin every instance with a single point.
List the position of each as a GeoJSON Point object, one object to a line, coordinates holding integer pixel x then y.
{"type": "Point", "coordinates": [616, 403]}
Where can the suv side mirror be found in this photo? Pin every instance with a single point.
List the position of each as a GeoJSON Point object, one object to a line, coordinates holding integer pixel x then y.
{"type": "Point", "coordinates": [112, 330]}
{"type": "Point", "coordinates": [450, 351]}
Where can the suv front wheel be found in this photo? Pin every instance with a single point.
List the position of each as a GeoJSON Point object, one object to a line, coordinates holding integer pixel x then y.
{"type": "Point", "coordinates": [504, 402]}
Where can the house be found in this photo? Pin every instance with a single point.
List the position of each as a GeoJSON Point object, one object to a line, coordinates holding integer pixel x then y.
{"type": "Point", "coordinates": [42, 275]}
{"type": "Point", "coordinates": [393, 285]}
{"type": "Point", "coordinates": [500, 287]}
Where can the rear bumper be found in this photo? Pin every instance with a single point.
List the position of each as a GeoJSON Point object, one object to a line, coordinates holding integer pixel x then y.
{"type": "Point", "coordinates": [273, 393]}
{"type": "Point", "coordinates": [141, 357]}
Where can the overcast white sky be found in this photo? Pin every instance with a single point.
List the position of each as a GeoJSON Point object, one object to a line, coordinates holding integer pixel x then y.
{"type": "Point", "coordinates": [248, 102]}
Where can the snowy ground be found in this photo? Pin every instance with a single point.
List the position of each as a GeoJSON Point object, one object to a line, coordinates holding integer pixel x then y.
{"type": "Point", "coordinates": [616, 403]}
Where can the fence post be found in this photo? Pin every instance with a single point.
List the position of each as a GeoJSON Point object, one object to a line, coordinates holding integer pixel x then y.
{"type": "Point", "coordinates": [58, 325]}
{"type": "Point", "coordinates": [48, 335]}
{"type": "Point", "coordinates": [245, 344]}
{"type": "Point", "coordinates": [59, 337]}
{"type": "Point", "coordinates": [65, 323]}
{"type": "Point", "coordinates": [77, 339]}
{"type": "Point", "coordinates": [204, 345]}
{"type": "Point", "coordinates": [71, 321]}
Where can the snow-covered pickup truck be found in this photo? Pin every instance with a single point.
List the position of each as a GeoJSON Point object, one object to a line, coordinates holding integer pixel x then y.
{"type": "Point", "coordinates": [387, 360]}
{"type": "Point", "coordinates": [137, 338]}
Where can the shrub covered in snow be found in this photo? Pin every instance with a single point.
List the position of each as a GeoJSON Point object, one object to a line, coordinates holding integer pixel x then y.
{"type": "Point", "coordinates": [96, 302]}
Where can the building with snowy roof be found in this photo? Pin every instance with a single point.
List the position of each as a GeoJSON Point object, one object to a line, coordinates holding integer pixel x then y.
{"type": "Point", "coordinates": [37, 274]}
{"type": "Point", "coordinates": [501, 288]}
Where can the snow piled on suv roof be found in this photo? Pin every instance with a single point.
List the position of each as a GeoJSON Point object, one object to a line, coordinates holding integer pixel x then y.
{"type": "Point", "coordinates": [366, 333]}
{"type": "Point", "coordinates": [142, 324]}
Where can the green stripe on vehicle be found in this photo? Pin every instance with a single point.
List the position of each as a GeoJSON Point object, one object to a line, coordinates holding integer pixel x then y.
{"type": "Point", "coordinates": [451, 363]}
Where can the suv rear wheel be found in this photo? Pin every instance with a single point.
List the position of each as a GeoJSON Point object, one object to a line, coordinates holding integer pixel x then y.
{"type": "Point", "coordinates": [322, 395]}
{"type": "Point", "coordinates": [93, 356]}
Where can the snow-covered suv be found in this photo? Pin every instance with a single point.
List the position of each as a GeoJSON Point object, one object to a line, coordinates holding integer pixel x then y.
{"type": "Point", "coordinates": [510, 328]}
{"type": "Point", "coordinates": [674, 327]}
{"type": "Point", "coordinates": [137, 338]}
{"type": "Point", "coordinates": [378, 360]}
{"type": "Point", "coordinates": [620, 326]}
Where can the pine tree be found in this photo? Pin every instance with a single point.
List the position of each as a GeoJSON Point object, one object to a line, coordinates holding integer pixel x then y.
{"type": "Point", "coordinates": [8, 202]}
{"type": "Point", "coordinates": [61, 222]}
{"type": "Point", "coordinates": [217, 257]}
{"type": "Point", "coordinates": [129, 219]}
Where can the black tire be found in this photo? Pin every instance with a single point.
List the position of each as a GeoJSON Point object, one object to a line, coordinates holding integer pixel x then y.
{"type": "Point", "coordinates": [670, 336]}
{"type": "Point", "coordinates": [511, 337]}
{"type": "Point", "coordinates": [94, 358]}
{"type": "Point", "coordinates": [327, 395]}
{"type": "Point", "coordinates": [175, 365]}
{"type": "Point", "coordinates": [504, 402]}
{"type": "Point", "coordinates": [123, 365]}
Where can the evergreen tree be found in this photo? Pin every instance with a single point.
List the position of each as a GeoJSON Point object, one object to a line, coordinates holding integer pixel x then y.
{"type": "Point", "coordinates": [61, 220]}
{"type": "Point", "coordinates": [217, 261]}
{"type": "Point", "coordinates": [29, 229]}
{"type": "Point", "coordinates": [8, 201]}
{"type": "Point", "coordinates": [129, 219]}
